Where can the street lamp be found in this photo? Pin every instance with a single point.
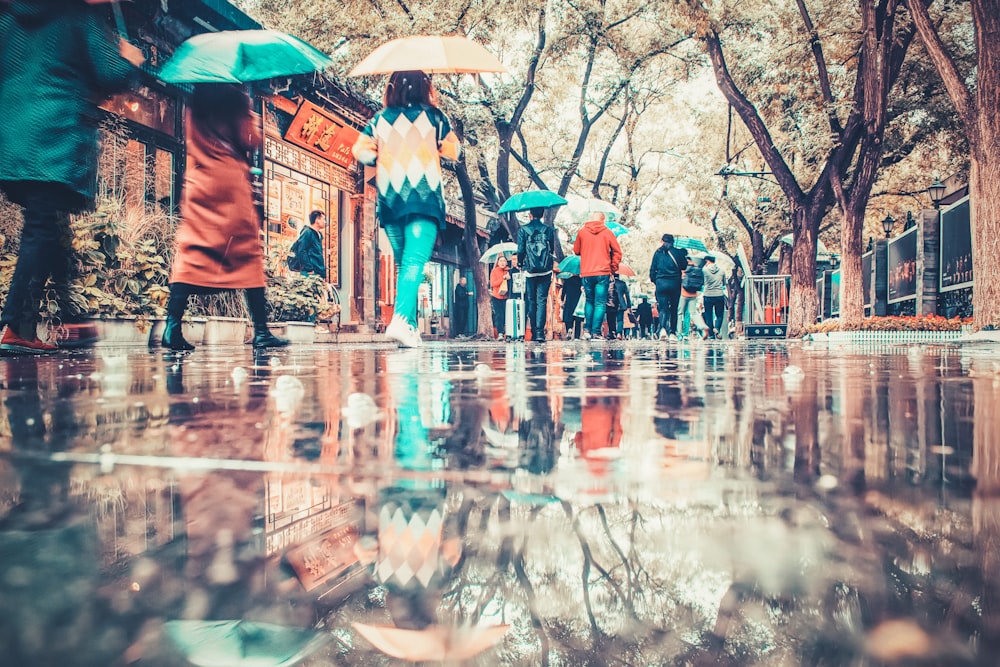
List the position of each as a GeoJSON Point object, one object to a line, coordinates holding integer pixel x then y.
{"type": "Point", "coordinates": [887, 224]}
{"type": "Point", "coordinates": [936, 192]}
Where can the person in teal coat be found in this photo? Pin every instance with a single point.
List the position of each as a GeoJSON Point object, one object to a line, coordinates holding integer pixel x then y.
{"type": "Point", "coordinates": [56, 57]}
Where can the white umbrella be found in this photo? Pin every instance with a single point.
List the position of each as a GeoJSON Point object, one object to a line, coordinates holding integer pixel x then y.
{"type": "Point", "coordinates": [578, 209]}
{"type": "Point", "coordinates": [493, 252]}
{"type": "Point", "coordinates": [724, 261]}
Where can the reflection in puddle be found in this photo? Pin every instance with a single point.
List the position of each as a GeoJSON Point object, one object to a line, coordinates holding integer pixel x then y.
{"type": "Point", "coordinates": [560, 504]}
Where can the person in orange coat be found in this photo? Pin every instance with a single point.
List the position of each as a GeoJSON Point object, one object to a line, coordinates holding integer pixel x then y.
{"type": "Point", "coordinates": [499, 291]}
{"type": "Point", "coordinates": [600, 256]}
{"type": "Point", "coordinates": [218, 241]}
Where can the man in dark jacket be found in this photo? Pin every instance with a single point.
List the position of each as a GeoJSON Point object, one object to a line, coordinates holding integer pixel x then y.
{"type": "Point", "coordinates": [535, 244]}
{"type": "Point", "coordinates": [307, 251]}
{"type": "Point", "coordinates": [55, 57]}
{"type": "Point", "coordinates": [665, 272]}
{"type": "Point", "coordinates": [644, 313]}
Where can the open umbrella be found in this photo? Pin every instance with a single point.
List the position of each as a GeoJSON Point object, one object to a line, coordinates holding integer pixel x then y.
{"type": "Point", "coordinates": [617, 228]}
{"type": "Point", "coordinates": [578, 210]}
{"type": "Point", "coordinates": [432, 54]}
{"type": "Point", "coordinates": [238, 56]}
{"type": "Point", "coordinates": [571, 265]}
{"type": "Point", "coordinates": [690, 244]}
{"type": "Point", "coordinates": [495, 251]}
{"type": "Point", "coordinates": [724, 261]}
{"type": "Point", "coordinates": [525, 201]}
{"type": "Point", "coordinates": [681, 227]}
{"type": "Point", "coordinates": [626, 271]}
{"type": "Point", "coordinates": [238, 642]}
{"type": "Point", "coordinates": [434, 643]}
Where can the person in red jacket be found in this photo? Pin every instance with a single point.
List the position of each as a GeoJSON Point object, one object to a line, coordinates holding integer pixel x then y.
{"type": "Point", "coordinates": [600, 256]}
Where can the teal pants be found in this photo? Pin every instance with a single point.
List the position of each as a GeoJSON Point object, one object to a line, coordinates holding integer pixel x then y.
{"type": "Point", "coordinates": [412, 245]}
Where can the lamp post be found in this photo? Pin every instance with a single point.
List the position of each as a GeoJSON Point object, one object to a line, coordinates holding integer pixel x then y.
{"type": "Point", "coordinates": [936, 192]}
{"type": "Point", "coordinates": [887, 224]}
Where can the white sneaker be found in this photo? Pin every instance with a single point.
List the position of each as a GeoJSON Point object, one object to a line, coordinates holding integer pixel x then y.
{"type": "Point", "coordinates": [673, 338]}
{"type": "Point", "coordinates": [586, 336]}
{"type": "Point", "coordinates": [403, 332]}
{"type": "Point", "coordinates": [663, 334]}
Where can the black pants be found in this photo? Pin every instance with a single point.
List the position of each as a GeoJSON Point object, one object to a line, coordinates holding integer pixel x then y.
{"type": "Point", "coordinates": [460, 318]}
{"type": "Point", "coordinates": [179, 293]}
{"type": "Point", "coordinates": [668, 295]}
{"type": "Point", "coordinates": [45, 253]}
{"type": "Point", "coordinates": [498, 308]}
{"type": "Point", "coordinates": [536, 302]}
{"type": "Point", "coordinates": [715, 311]}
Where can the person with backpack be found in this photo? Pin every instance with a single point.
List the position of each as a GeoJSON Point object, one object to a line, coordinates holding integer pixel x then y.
{"type": "Point", "coordinates": [307, 251]}
{"type": "Point", "coordinates": [665, 272]}
{"type": "Point", "coordinates": [692, 283]}
{"type": "Point", "coordinates": [535, 245]}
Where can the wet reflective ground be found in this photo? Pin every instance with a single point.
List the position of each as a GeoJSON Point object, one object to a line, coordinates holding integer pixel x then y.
{"type": "Point", "coordinates": [568, 504]}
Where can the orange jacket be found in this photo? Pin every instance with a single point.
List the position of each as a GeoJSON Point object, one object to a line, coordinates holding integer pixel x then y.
{"type": "Point", "coordinates": [497, 276]}
{"type": "Point", "coordinates": [598, 249]}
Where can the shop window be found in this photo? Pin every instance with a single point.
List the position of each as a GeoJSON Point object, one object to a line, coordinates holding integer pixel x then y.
{"type": "Point", "coordinates": [135, 173]}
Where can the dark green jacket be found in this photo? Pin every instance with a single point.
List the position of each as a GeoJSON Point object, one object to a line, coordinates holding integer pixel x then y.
{"type": "Point", "coordinates": [56, 58]}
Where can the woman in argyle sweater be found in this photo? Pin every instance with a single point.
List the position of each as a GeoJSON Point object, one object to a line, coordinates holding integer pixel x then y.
{"type": "Point", "coordinates": [405, 141]}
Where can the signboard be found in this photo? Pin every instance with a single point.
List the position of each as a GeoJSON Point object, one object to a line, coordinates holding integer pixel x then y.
{"type": "Point", "coordinates": [319, 132]}
{"type": "Point", "coordinates": [835, 293]}
{"type": "Point", "coordinates": [866, 278]}
{"type": "Point", "coordinates": [902, 266]}
{"type": "Point", "coordinates": [956, 247]}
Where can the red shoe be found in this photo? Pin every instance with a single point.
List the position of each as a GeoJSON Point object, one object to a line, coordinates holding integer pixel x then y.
{"type": "Point", "coordinates": [11, 343]}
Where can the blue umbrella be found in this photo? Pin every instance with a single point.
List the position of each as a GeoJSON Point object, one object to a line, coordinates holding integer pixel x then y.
{"type": "Point", "coordinates": [570, 264]}
{"type": "Point", "coordinates": [525, 201]}
{"type": "Point", "coordinates": [690, 243]}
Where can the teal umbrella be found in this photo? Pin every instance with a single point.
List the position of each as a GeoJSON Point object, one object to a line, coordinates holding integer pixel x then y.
{"type": "Point", "coordinates": [690, 244]}
{"type": "Point", "coordinates": [570, 265]}
{"type": "Point", "coordinates": [617, 228]}
{"type": "Point", "coordinates": [236, 643]}
{"type": "Point", "coordinates": [238, 56]}
{"type": "Point", "coordinates": [525, 201]}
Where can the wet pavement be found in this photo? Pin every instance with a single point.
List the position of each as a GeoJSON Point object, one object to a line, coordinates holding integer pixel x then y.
{"type": "Point", "coordinates": [632, 503]}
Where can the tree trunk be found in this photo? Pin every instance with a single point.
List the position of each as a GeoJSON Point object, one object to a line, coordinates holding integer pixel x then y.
{"type": "Point", "coordinates": [852, 299]}
{"type": "Point", "coordinates": [984, 189]}
{"type": "Point", "coordinates": [470, 246]}
{"type": "Point", "coordinates": [803, 302]}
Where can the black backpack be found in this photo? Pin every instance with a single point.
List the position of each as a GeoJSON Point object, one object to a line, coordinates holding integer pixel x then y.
{"type": "Point", "coordinates": [694, 279]}
{"type": "Point", "coordinates": [538, 249]}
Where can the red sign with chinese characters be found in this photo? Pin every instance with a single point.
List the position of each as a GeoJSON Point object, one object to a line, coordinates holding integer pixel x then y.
{"type": "Point", "coordinates": [318, 131]}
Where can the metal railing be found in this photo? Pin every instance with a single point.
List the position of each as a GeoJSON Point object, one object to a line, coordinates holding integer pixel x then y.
{"type": "Point", "coordinates": [765, 299]}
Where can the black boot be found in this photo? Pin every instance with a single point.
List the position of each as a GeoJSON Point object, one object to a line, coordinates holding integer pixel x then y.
{"type": "Point", "coordinates": [173, 338]}
{"type": "Point", "coordinates": [263, 338]}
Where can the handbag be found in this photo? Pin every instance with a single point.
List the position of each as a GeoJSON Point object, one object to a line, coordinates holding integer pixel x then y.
{"type": "Point", "coordinates": [612, 300]}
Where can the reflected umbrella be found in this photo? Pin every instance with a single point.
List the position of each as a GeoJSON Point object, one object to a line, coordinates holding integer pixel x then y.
{"type": "Point", "coordinates": [434, 643]}
{"type": "Point", "coordinates": [233, 643]}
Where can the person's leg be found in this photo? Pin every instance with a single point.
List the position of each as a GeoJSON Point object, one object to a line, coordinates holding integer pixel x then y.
{"type": "Point", "coordinates": [541, 311]}
{"type": "Point", "coordinates": [530, 305]}
{"type": "Point", "coordinates": [173, 337]}
{"type": "Point", "coordinates": [418, 238]}
{"type": "Point", "coordinates": [662, 298]}
{"type": "Point", "coordinates": [600, 290]}
{"type": "Point", "coordinates": [673, 300]}
{"type": "Point", "coordinates": [262, 336]}
{"type": "Point", "coordinates": [42, 248]}
{"type": "Point", "coordinates": [589, 284]}
{"type": "Point", "coordinates": [611, 317]}
{"type": "Point", "coordinates": [498, 308]}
